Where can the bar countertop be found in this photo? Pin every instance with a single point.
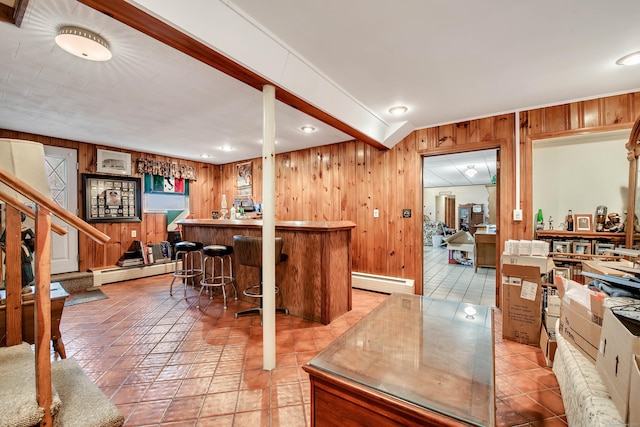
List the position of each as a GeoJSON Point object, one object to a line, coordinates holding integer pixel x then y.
{"type": "Point", "coordinates": [315, 279]}
{"type": "Point", "coordinates": [282, 225]}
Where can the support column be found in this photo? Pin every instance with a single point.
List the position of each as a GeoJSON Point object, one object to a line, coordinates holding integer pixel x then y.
{"type": "Point", "coordinates": [268, 227]}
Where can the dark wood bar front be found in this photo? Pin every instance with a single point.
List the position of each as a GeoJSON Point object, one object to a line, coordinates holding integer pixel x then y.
{"type": "Point", "coordinates": [314, 281]}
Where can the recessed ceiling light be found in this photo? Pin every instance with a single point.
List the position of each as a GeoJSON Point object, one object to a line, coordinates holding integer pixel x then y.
{"type": "Point", "coordinates": [83, 43]}
{"type": "Point", "coordinates": [398, 110]}
{"type": "Point", "coordinates": [204, 156]}
{"type": "Point", "coordinates": [631, 59]}
{"type": "Point", "coordinates": [226, 148]}
{"type": "Point", "coordinates": [308, 129]}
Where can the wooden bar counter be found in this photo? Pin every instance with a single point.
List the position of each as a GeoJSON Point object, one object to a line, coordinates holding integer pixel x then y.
{"type": "Point", "coordinates": [315, 280]}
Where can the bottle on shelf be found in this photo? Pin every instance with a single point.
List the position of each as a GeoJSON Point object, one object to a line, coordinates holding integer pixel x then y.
{"type": "Point", "coordinates": [232, 213]}
{"type": "Point", "coordinates": [223, 207]}
{"type": "Point", "coordinates": [540, 220]}
{"type": "Point", "coordinates": [570, 220]}
{"type": "Point", "coordinates": [240, 211]}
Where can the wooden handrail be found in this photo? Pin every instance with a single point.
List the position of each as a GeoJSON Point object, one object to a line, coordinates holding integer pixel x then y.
{"type": "Point", "coordinates": [15, 203]}
{"type": "Point", "coordinates": [32, 194]}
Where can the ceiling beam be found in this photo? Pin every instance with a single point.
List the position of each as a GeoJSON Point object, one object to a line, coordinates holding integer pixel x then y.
{"type": "Point", "coordinates": [163, 32]}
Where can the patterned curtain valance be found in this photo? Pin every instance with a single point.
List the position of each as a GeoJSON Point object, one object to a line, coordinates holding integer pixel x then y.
{"type": "Point", "coordinates": [166, 169]}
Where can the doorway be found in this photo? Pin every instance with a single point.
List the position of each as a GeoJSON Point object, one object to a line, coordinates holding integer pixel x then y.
{"type": "Point", "coordinates": [459, 194]}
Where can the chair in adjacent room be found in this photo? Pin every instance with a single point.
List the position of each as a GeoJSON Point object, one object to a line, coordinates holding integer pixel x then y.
{"type": "Point", "coordinates": [190, 254]}
{"type": "Point", "coordinates": [248, 251]}
{"type": "Point", "coordinates": [218, 258]}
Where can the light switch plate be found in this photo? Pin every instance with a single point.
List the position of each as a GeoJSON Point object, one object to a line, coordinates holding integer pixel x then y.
{"type": "Point", "coordinates": [517, 214]}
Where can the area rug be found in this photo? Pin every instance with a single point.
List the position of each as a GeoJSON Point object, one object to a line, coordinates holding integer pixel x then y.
{"type": "Point", "coordinates": [87, 296]}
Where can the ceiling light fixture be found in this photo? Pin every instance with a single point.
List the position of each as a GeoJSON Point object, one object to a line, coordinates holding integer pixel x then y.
{"type": "Point", "coordinates": [631, 59]}
{"type": "Point", "coordinates": [471, 171]}
{"type": "Point", "coordinates": [308, 129]}
{"type": "Point", "coordinates": [398, 111]}
{"type": "Point", "coordinates": [226, 148]}
{"type": "Point", "coordinates": [83, 43]}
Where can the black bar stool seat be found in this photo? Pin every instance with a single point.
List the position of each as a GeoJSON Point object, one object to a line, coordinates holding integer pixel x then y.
{"type": "Point", "coordinates": [188, 253]}
{"type": "Point", "coordinates": [248, 252]}
{"type": "Point", "coordinates": [219, 255]}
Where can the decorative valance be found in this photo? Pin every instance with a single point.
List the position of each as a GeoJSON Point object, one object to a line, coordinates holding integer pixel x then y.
{"type": "Point", "coordinates": [166, 169]}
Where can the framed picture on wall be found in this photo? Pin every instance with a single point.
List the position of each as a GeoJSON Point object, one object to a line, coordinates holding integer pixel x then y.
{"type": "Point", "coordinates": [113, 162]}
{"type": "Point", "coordinates": [582, 222]}
{"type": "Point", "coordinates": [108, 198]}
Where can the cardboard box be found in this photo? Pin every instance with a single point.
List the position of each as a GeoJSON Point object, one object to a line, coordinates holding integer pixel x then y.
{"type": "Point", "coordinates": [521, 303]}
{"type": "Point", "coordinates": [634, 392]}
{"type": "Point", "coordinates": [460, 257]}
{"type": "Point", "coordinates": [553, 305]}
{"type": "Point", "coordinates": [545, 264]}
{"type": "Point", "coordinates": [604, 268]}
{"type": "Point", "coordinates": [550, 319]}
{"type": "Point", "coordinates": [619, 343]}
{"type": "Point", "coordinates": [577, 327]}
{"type": "Point", "coordinates": [548, 344]}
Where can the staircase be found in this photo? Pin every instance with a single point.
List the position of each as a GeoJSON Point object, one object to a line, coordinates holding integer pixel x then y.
{"type": "Point", "coordinates": [74, 282]}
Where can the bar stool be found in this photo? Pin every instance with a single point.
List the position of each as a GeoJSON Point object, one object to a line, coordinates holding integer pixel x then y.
{"type": "Point", "coordinates": [248, 251]}
{"type": "Point", "coordinates": [221, 278]}
{"type": "Point", "coordinates": [188, 253]}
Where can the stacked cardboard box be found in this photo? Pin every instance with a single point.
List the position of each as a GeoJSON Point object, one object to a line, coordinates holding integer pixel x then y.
{"type": "Point", "coordinates": [617, 360]}
{"type": "Point", "coordinates": [522, 281]}
{"type": "Point", "coordinates": [460, 248]}
{"type": "Point", "coordinates": [581, 314]}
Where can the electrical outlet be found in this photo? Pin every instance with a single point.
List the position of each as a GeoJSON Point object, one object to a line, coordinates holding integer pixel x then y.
{"type": "Point", "coordinates": [517, 214]}
{"type": "Point", "coordinates": [133, 233]}
{"type": "Point", "coordinates": [376, 213]}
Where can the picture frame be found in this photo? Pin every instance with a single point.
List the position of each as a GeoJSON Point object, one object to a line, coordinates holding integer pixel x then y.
{"type": "Point", "coordinates": [561, 247]}
{"type": "Point", "coordinates": [583, 222]}
{"type": "Point", "coordinates": [113, 162]}
{"type": "Point", "coordinates": [244, 179]}
{"type": "Point", "coordinates": [582, 248]}
{"type": "Point", "coordinates": [108, 198]}
{"type": "Point", "coordinates": [599, 248]}
{"type": "Point", "coordinates": [564, 272]}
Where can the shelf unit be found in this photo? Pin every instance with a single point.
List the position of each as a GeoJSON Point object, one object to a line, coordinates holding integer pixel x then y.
{"type": "Point", "coordinates": [573, 260]}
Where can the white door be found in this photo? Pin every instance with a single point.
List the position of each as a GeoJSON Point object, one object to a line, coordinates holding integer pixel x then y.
{"type": "Point", "coordinates": [61, 165]}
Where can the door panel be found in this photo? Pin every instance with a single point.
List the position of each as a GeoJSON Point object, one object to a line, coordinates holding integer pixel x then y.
{"type": "Point", "coordinates": [63, 180]}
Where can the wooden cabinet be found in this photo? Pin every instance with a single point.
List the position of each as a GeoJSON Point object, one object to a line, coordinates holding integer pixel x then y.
{"type": "Point", "coordinates": [485, 250]}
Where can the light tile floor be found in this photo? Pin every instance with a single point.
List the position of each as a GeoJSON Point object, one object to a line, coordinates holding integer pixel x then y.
{"type": "Point", "coordinates": [164, 362]}
{"type": "Point", "coordinates": [457, 282]}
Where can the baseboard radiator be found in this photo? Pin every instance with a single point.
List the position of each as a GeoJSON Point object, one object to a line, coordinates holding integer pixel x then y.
{"type": "Point", "coordinates": [384, 284]}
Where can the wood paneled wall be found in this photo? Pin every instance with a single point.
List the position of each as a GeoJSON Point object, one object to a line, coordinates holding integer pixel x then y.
{"type": "Point", "coordinates": [347, 181]}
{"type": "Point", "coordinates": [153, 227]}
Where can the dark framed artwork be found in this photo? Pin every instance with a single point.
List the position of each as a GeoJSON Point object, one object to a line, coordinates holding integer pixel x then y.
{"type": "Point", "coordinates": [108, 198]}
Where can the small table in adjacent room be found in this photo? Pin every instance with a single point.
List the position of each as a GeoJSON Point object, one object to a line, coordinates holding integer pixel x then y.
{"type": "Point", "coordinates": [413, 361]}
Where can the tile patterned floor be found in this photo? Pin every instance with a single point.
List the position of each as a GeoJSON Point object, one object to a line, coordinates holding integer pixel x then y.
{"type": "Point", "coordinates": [164, 362]}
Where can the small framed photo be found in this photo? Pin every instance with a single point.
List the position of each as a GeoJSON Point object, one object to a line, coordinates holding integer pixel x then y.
{"type": "Point", "coordinates": [564, 272]}
{"type": "Point", "coordinates": [582, 248]}
{"type": "Point", "coordinates": [583, 222]}
{"type": "Point", "coordinates": [561, 247]}
{"type": "Point", "coordinates": [113, 162]}
{"type": "Point", "coordinates": [601, 248]}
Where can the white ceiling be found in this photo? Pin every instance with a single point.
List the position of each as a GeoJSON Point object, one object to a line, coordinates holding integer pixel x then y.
{"type": "Point", "coordinates": [449, 170]}
{"type": "Point", "coordinates": [446, 61]}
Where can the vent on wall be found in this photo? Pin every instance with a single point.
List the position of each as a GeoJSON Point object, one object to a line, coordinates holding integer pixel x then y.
{"type": "Point", "coordinates": [387, 285]}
